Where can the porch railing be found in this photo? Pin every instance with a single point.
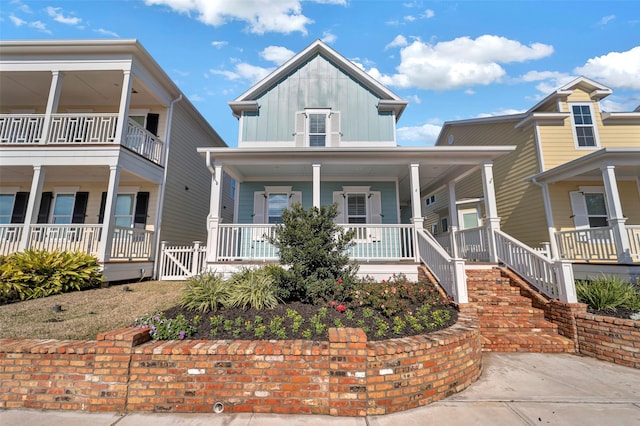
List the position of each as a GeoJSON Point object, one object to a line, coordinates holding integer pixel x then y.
{"type": "Point", "coordinates": [65, 237]}
{"type": "Point", "coordinates": [242, 242]}
{"type": "Point", "coordinates": [587, 244]}
{"type": "Point", "coordinates": [472, 244]}
{"type": "Point", "coordinates": [448, 271]}
{"type": "Point", "coordinates": [132, 244]}
{"type": "Point", "coordinates": [90, 128]}
{"type": "Point", "coordinates": [552, 278]}
{"type": "Point", "coordinates": [10, 236]}
{"type": "Point", "coordinates": [633, 232]}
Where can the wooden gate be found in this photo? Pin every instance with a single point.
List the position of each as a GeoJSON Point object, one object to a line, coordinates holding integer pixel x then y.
{"type": "Point", "coordinates": [181, 262]}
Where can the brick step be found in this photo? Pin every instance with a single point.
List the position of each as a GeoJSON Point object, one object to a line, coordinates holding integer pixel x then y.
{"type": "Point", "coordinates": [494, 292]}
{"type": "Point", "coordinates": [518, 325]}
{"type": "Point", "coordinates": [510, 341]}
{"type": "Point", "coordinates": [496, 313]}
{"type": "Point", "coordinates": [503, 300]}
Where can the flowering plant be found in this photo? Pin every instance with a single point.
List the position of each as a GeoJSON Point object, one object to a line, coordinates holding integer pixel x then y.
{"type": "Point", "coordinates": [162, 328]}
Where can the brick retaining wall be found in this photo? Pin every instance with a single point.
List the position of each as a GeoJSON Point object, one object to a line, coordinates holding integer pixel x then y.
{"type": "Point", "coordinates": [610, 339]}
{"type": "Point", "coordinates": [124, 371]}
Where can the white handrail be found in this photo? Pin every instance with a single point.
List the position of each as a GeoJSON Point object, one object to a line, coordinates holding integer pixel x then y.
{"type": "Point", "coordinates": [65, 237]}
{"type": "Point", "coordinates": [448, 271]}
{"type": "Point", "coordinates": [552, 278]}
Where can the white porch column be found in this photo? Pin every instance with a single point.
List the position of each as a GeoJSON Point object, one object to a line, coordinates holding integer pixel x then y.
{"type": "Point", "coordinates": [213, 219]}
{"type": "Point", "coordinates": [491, 209]}
{"type": "Point", "coordinates": [108, 222]}
{"type": "Point", "coordinates": [35, 195]}
{"type": "Point", "coordinates": [52, 103]}
{"type": "Point", "coordinates": [453, 219]}
{"type": "Point", "coordinates": [616, 218]}
{"type": "Point", "coordinates": [416, 208]}
{"type": "Point", "coordinates": [551, 227]}
{"type": "Point", "coordinates": [123, 110]}
{"type": "Point", "coordinates": [316, 185]}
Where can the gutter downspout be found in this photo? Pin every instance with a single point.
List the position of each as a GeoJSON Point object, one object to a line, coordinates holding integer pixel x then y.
{"type": "Point", "coordinates": [167, 142]}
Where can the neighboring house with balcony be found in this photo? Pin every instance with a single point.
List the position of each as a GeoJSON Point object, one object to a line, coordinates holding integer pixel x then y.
{"type": "Point", "coordinates": [570, 188]}
{"type": "Point", "coordinates": [317, 131]}
{"type": "Point", "coordinates": [98, 154]}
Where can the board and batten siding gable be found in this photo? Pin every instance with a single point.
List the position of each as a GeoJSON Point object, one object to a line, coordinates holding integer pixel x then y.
{"type": "Point", "coordinates": [188, 185]}
{"type": "Point", "coordinates": [520, 204]}
{"type": "Point", "coordinates": [318, 83]}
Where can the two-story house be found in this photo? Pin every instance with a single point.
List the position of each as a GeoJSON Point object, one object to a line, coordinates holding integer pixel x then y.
{"type": "Point", "coordinates": [317, 131]}
{"type": "Point", "coordinates": [571, 187]}
{"type": "Point", "coordinates": [98, 154]}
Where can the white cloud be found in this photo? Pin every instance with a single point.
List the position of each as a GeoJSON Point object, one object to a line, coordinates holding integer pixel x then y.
{"type": "Point", "coordinates": [429, 14]}
{"type": "Point", "coordinates": [424, 135]}
{"type": "Point", "coordinates": [460, 62]}
{"type": "Point", "coordinates": [106, 32]}
{"type": "Point", "coordinates": [504, 111]}
{"type": "Point", "coordinates": [619, 70]}
{"type": "Point", "coordinates": [17, 21]}
{"type": "Point", "coordinates": [277, 54]}
{"type": "Point", "coordinates": [606, 19]}
{"type": "Point", "coordinates": [328, 37]}
{"type": "Point", "coordinates": [40, 26]}
{"type": "Point", "coordinates": [56, 14]}
{"type": "Point", "coordinates": [219, 44]}
{"type": "Point", "coordinates": [398, 41]}
{"type": "Point", "coordinates": [244, 71]}
{"type": "Point", "coordinates": [282, 16]}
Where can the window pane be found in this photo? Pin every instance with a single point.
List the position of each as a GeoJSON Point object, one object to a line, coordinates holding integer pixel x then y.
{"type": "Point", "coordinates": [276, 204]}
{"type": "Point", "coordinates": [356, 204]}
{"type": "Point", "coordinates": [316, 140]}
{"type": "Point", "coordinates": [124, 210]}
{"type": "Point", "coordinates": [595, 204]}
{"type": "Point", "coordinates": [598, 222]}
{"type": "Point", "coordinates": [357, 220]}
{"type": "Point", "coordinates": [63, 208]}
{"type": "Point", "coordinates": [317, 123]}
{"type": "Point", "coordinates": [469, 220]}
{"type": "Point", "coordinates": [585, 136]}
{"type": "Point", "coordinates": [6, 207]}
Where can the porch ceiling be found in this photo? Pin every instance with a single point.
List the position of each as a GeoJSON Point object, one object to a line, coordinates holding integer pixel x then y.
{"type": "Point", "coordinates": [438, 165]}
{"type": "Point", "coordinates": [625, 160]}
{"type": "Point", "coordinates": [22, 175]}
{"type": "Point", "coordinates": [79, 88]}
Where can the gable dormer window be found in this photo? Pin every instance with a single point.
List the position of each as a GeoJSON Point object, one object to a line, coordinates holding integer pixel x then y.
{"type": "Point", "coordinates": [317, 127]}
{"type": "Point", "coordinates": [585, 132]}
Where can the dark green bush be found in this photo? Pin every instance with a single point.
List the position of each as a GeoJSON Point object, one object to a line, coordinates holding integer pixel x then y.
{"type": "Point", "coordinates": [33, 274]}
{"type": "Point", "coordinates": [205, 292]}
{"type": "Point", "coordinates": [313, 248]}
{"type": "Point", "coordinates": [608, 293]}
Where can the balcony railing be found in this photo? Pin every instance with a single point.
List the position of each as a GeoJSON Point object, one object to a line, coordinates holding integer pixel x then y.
{"type": "Point", "coordinates": [79, 129]}
{"type": "Point", "coordinates": [633, 232]}
{"type": "Point", "coordinates": [132, 244]}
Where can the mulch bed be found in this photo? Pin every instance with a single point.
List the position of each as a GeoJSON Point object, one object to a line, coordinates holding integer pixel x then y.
{"type": "Point", "coordinates": [619, 312]}
{"type": "Point", "coordinates": [306, 311]}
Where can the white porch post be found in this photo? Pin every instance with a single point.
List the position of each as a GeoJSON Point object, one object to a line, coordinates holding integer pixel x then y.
{"type": "Point", "coordinates": [108, 222]}
{"type": "Point", "coordinates": [213, 220]}
{"type": "Point", "coordinates": [491, 209]}
{"type": "Point", "coordinates": [553, 245]}
{"type": "Point", "coordinates": [416, 208]}
{"type": "Point", "coordinates": [453, 219]}
{"type": "Point", "coordinates": [125, 95]}
{"type": "Point", "coordinates": [52, 103]}
{"type": "Point", "coordinates": [37, 182]}
{"type": "Point", "coordinates": [616, 218]}
{"type": "Point", "coordinates": [316, 185]}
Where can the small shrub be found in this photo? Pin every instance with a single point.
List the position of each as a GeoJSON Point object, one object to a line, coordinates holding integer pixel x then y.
{"type": "Point", "coordinates": [204, 293]}
{"type": "Point", "coordinates": [253, 288]}
{"type": "Point", "coordinates": [32, 274]}
{"type": "Point", "coordinates": [607, 293]}
{"type": "Point", "coordinates": [162, 328]}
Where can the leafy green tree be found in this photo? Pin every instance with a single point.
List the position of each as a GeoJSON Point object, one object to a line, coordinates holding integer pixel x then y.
{"type": "Point", "coordinates": [313, 250]}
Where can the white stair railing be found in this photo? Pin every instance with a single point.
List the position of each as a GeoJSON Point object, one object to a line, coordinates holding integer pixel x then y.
{"type": "Point", "coordinates": [554, 278]}
{"type": "Point", "coordinates": [448, 271]}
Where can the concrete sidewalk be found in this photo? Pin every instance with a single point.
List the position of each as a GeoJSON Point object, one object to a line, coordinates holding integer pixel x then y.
{"type": "Point", "coordinates": [514, 389]}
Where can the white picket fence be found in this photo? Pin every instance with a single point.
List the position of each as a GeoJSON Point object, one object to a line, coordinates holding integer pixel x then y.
{"type": "Point", "coordinates": [181, 262]}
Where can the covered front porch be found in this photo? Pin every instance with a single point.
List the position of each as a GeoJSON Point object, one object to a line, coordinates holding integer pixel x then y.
{"type": "Point", "coordinates": [414, 172]}
{"type": "Point", "coordinates": [592, 207]}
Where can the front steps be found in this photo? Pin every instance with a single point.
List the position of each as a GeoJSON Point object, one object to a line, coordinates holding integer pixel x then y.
{"type": "Point", "coordinates": [508, 321]}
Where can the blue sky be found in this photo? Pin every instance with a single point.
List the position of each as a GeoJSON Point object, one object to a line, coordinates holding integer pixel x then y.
{"type": "Point", "coordinates": [450, 59]}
